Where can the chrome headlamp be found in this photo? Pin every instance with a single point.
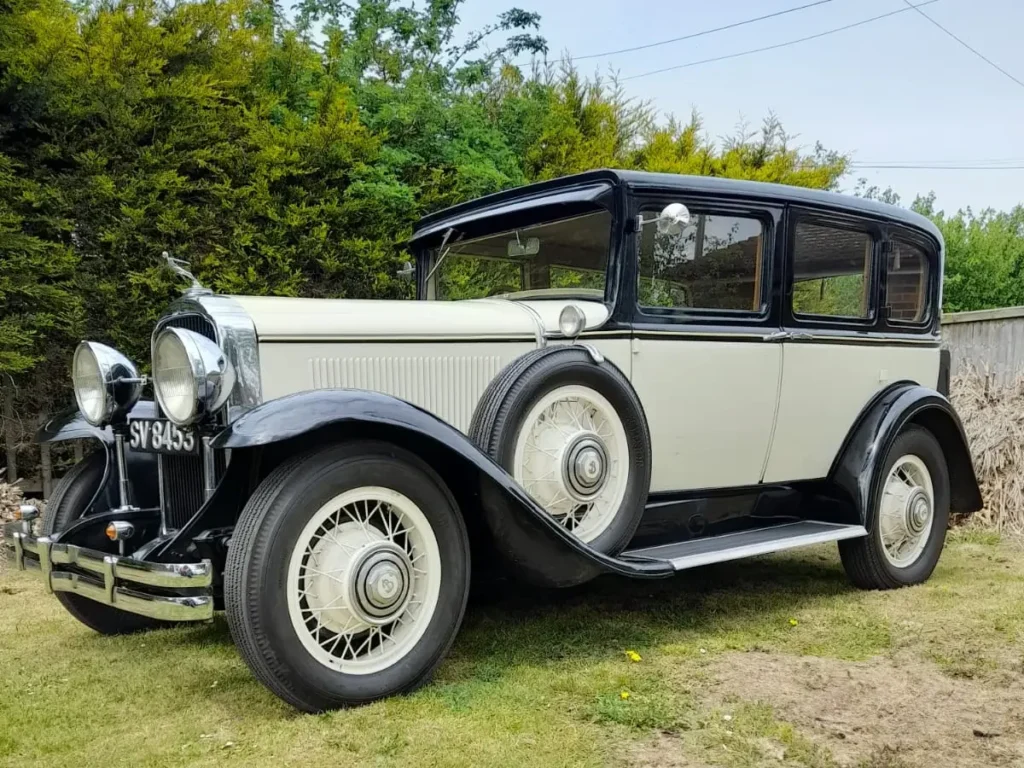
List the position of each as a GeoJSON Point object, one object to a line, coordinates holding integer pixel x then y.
{"type": "Point", "coordinates": [191, 375]}
{"type": "Point", "coordinates": [106, 383]}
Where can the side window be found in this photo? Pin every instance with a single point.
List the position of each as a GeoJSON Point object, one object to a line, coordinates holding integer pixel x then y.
{"type": "Point", "coordinates": [714, 263]}
{"type": "Point", "coordinates": [906, 285]}
{"type": "Point", "coordinates": [831, 271]}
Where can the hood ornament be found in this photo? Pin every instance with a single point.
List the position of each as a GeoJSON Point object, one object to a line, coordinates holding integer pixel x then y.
{"type": "Point", "coordinates": [180, 268]}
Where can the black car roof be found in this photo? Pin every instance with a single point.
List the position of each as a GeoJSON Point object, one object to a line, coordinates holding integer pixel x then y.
{"type": "Point", "coordinates": [710, 185]}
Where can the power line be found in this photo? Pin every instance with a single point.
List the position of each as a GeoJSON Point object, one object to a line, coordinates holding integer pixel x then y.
{"type": "Point", "coordinates": [778, 45]}
{"type": "Point", "coordinates": [997, 161]}
{"type": "Point", "coordinates": [975, 51]}
{"type": "Point", "coordinates": [909, 166]}
{"type": "Point", "coordinates": [702, 33]}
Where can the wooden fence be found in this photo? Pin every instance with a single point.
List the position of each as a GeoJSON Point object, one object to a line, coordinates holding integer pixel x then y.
{"type": "Point", "coordinates": [990, 340]}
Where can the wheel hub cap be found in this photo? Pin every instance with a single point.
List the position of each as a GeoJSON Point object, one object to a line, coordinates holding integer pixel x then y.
{"type": "Point", "coordinates": [585, 466]}
{"type": "Point", "coordinates": [379, 582]}
{"type": "Point", "coordinates": [918, 510]}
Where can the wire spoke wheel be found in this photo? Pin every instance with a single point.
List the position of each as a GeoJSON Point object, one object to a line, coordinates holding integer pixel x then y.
{"type": "Point", "coordinates": [363, 580]}
{"type": "Point", "coordinates": [572, 457]}
{"type": "Point", "coordinates": [907, 511]}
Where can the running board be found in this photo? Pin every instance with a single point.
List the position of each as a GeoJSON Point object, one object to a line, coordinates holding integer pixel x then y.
{"type": "Point", "coordinates": [759, 541]}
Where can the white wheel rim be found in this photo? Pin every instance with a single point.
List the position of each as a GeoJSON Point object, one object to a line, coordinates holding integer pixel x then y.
{"type": "Point", "coordinates": [572, 457]}
{"type": "Point", "coordinates": [364, 580]}
{"type": "Point", "coordinates": [906, 511]}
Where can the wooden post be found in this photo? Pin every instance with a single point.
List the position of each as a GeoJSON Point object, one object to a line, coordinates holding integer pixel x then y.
{"type": "Point", "coordinates": [45, 465]}
{"type": "Point", "coordinates": [12, 450]}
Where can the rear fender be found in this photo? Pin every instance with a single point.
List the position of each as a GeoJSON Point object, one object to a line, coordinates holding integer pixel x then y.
{"type": "Point", "coordinates": [520, 528]}
{"type": "Point", "coordinates": [142, 467]}
{"type": "Point", "coordinates": [858, 468]}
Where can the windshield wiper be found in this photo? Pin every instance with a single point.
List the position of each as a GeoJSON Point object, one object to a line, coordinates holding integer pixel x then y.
{"type": "Point", "coordinates": [444, 251]}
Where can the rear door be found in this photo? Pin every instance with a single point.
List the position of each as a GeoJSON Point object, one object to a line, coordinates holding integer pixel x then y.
{"type": "Point", "coordinates": [706, 359]}
{"type": "Point", "coordinates": [844, 344]}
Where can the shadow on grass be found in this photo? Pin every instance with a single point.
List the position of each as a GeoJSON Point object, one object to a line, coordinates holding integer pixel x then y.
{"type": "Point", "coordinates": [509, 625]}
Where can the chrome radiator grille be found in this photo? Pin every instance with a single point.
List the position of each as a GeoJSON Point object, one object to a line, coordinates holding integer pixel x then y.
{"type": "Point", "coordinates": [181, 492]}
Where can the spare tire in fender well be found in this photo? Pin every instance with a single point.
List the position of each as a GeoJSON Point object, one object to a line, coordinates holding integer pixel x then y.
{"type": "Point", "coordinates": [598, 408]}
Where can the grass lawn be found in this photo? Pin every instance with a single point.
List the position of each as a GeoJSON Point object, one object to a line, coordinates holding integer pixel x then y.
{"type": "Point", "coordinates": [772, 661]}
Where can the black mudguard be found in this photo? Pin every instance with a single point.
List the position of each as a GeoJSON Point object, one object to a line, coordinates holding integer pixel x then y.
{"type": "Point", "coordinates": [142, 467]}
{"type": "Point", "coordinates": [858, 468]}
{"type": "Point", "coordinates": [522, 530]}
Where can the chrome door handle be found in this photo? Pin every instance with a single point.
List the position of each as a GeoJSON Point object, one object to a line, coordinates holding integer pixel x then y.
{"type": "Point", "coordinates": [788, 336]}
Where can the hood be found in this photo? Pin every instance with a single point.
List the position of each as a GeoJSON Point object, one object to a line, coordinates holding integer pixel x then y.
{"type": "Point", "coordinates": [287, 319]}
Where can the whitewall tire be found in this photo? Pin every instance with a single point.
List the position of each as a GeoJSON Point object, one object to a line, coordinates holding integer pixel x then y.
{"type": "Point", "coordinates": [347, 576]}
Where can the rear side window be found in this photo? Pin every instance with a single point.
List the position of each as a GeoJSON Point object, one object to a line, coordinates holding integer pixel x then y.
{"type": "Point", "coordinates": [906, 282]}
{"type": "Point", "coordinates": [831, 271]}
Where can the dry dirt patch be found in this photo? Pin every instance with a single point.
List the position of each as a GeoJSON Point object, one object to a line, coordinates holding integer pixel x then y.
{"type": "Point", "coordinates": [862, 711]}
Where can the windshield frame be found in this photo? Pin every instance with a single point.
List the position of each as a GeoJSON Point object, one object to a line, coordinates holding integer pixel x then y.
{"type": "Point", "coordinates": [530, 213]}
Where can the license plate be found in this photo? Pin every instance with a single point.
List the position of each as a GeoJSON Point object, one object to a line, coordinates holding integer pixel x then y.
{"type": "Point", "coordinates": [161, 436]}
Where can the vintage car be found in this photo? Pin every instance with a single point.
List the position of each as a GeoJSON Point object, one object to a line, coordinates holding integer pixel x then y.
{"type": "Point", "coordinates": [611, 373]}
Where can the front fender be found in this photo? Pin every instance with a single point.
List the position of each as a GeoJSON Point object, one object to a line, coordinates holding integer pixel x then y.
{"type": "Point", "coordinates": [142, 469]}
{"type": "Point", "coordinates": [71, 425]}
{"type": "Point", "coordinates": [521, 528]}
{"type": "Point", "coordinates": [858, 467]}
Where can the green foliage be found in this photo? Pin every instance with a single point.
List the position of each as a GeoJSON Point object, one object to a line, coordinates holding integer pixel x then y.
{"type": "Point", "coordinates": [984, 252]}
{"type": "Point", "coordinates": [280, 156]}
{"type": "Point", "coordinates": [984, 259]}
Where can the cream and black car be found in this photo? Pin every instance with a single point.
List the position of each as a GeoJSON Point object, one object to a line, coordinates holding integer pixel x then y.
{"type": "Point", "coordinates": [610, 373]}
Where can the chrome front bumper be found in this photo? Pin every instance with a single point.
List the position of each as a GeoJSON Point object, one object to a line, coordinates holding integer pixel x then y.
{"type": "Point", "coordinates": [109, 579]}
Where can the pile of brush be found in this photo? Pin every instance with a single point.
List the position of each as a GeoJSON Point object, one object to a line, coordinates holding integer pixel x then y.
{"type": "Point", "coordinates": [10, 498]}
{"type": "Point", "coordinates": [993, 417]}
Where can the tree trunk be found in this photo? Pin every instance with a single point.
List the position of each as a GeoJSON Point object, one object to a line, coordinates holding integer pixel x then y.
{"type": "Point", "coordinates": [12, 450]}
{"type": "Point", "coordinates": [45, 466]}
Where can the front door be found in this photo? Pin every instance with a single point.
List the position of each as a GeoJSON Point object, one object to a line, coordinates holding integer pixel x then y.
{"type": "Point", "coordinates": [706, 359]}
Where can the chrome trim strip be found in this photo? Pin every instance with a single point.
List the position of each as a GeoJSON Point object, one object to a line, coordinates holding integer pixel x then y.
{"type": "Point", "coordinates": [209, 469]}
{"type": "Point", "coordinates": [450, 338]}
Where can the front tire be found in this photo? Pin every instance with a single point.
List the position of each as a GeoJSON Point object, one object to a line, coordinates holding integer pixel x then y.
{"type": "Point", "coordinates": [347, 576]}
{"type": "Point", "coordinates": [68, 502]}
{"type": "Point", "coordinates": [911, 515]}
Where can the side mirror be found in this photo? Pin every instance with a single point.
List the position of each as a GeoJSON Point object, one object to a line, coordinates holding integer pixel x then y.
{"type": "Point", "coordinates": [672, 220]}
{"type": "Point", "coordinates": [407, 271]}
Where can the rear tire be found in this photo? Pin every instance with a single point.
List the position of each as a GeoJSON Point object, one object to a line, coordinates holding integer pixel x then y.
{"type": "Point", "coordinates": [68, 502]}
{"type": "Point", "coordinates": [347, 576]}
{"type": "Point", "coordinates": [910, 517]}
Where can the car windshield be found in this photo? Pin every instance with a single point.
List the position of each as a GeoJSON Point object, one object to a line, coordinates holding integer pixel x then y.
{"type": "Point", "coordinates": [556, 258]}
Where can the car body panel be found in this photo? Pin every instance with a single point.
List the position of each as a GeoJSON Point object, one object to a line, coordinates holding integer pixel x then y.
{"type": "Point", "coordinates": [824, 387]}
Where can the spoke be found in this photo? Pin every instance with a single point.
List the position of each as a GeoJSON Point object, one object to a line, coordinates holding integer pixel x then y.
{"type": "Point", "coordinates": [329, 607]}
{"type": "Point", "coordinates": [329, 574]}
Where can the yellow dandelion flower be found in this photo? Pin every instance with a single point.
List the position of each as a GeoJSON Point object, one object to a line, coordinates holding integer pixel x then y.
{"type": "Point", "coordinates": [793, 622]}
{"type": "Point", "coordinates": [633, 656]}
{"type": "Point", "coordinates": [624, 695]}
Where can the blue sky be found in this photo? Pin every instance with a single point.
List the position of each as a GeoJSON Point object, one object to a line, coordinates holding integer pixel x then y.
{"type": "Point", "coordinates": [896, 90]}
